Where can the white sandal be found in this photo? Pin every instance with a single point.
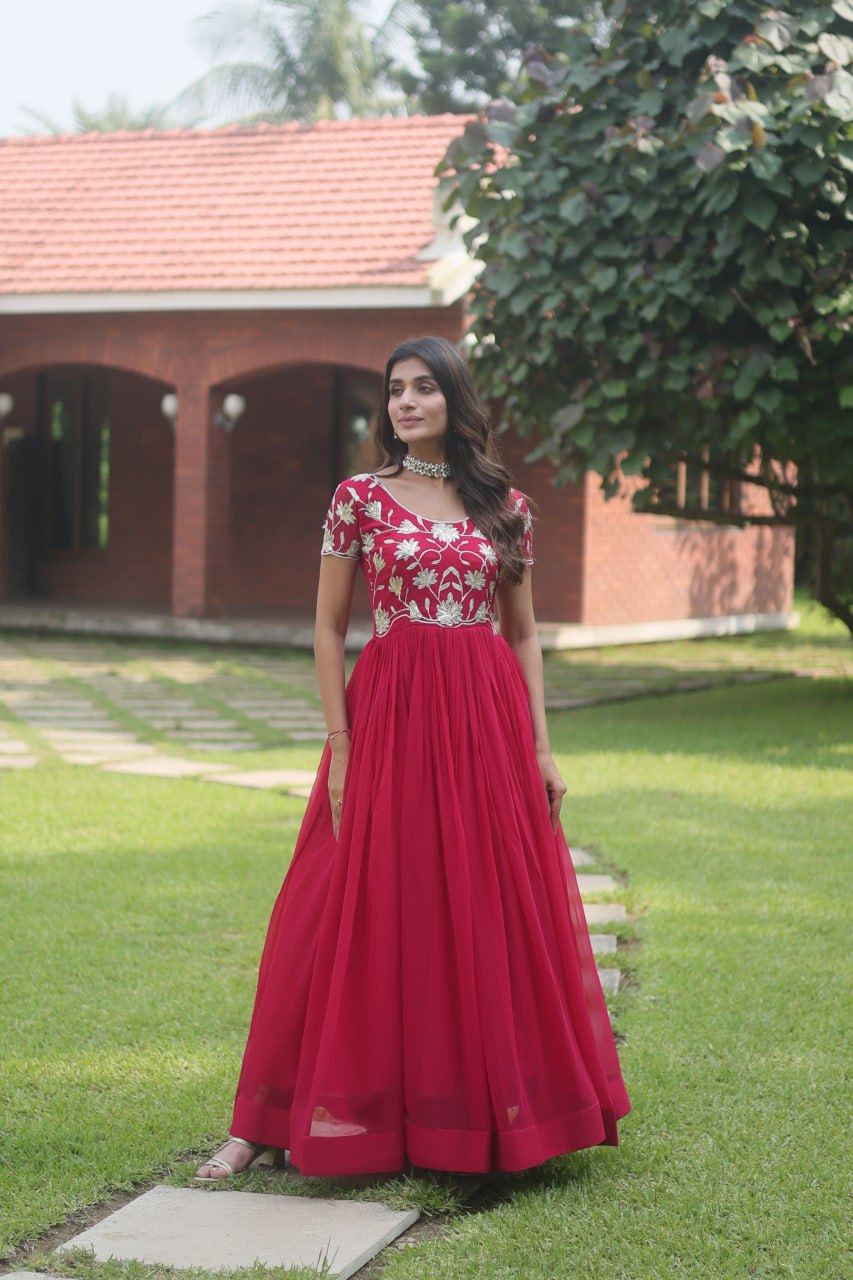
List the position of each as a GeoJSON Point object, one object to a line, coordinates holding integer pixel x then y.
{"type": "Point", "coordinates": [217, 1161]}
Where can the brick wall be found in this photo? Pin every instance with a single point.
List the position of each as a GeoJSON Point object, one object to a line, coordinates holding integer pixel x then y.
{"type": "Point", "coordinates": [282, 474]}
{"type": "Point", "coordinates": [558, 535]}
{"type": "Point", "coordinates": [646, 568]}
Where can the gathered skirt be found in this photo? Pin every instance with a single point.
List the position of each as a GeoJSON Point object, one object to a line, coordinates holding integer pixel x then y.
{"type": "Point", "coordinates": [427, 992]}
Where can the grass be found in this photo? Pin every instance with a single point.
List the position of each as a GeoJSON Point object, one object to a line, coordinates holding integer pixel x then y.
{"type": "Point", "coordinates": [134, 912]}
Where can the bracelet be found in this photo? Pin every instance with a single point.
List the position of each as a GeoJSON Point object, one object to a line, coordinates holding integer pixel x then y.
{"type": "Point", "coordinates": [336, 732]}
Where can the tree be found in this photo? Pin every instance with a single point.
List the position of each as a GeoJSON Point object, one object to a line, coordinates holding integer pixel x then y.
{"type": "Point", "coordinates": [471, 52]}
{"type": "Point", "coordinates": [664, 220]}
{"type": "Point", "coordinates": [302, 60]}
{"type": "Point", "coordinates": [116, 114]}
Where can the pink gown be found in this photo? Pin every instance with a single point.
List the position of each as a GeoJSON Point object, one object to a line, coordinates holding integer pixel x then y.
{"type": "Point", "coordinates": [427, 993]}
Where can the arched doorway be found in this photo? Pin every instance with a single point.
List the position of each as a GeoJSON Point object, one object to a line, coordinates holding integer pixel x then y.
{"type": "Point", "coordinates": [86, 489]}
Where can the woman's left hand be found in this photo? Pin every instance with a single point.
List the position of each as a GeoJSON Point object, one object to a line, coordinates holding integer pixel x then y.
{"type": "Point", "coordinates": [555, 788]}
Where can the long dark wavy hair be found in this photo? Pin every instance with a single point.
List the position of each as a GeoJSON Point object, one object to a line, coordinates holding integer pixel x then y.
{"type": "Point", "coordinates": [481, 478]}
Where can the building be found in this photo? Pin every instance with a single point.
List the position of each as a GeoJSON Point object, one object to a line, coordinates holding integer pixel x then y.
{"type": "Point", "coordinates": [193, 326]}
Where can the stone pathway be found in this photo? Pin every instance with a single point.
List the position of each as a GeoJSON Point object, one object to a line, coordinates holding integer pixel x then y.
{"type": "Point", "coordinates": [133, 709]}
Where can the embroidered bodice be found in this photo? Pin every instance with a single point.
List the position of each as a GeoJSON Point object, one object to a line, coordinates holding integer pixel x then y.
{"type": "Point", "coordinates": [418, 570]}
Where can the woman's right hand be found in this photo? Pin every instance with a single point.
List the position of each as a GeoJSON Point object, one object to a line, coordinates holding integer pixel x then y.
{"type": "Point", "coordinates": [339, 748]}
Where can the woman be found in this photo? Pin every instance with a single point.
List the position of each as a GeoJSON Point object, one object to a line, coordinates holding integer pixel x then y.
{"type": "Point", "coordinates": [427, 993]}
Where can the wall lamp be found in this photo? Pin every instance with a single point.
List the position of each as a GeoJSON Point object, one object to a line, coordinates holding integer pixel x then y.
{"type": "Point", "coordinates": [7, 404]}
{"type": "Point", "coordinates": [233, 408]}
{"type": "Point", "coordinates": [169, 408]}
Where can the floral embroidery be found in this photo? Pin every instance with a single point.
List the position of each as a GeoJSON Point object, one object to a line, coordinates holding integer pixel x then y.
{"type": "Point", "coordinates": [444, 532]}
{"type": "Point", "coordinates": [449, 611]}
{"type": "Point", "coordinates": [419, 570]}
{"type": "Point", "coordinates": [407, 549]}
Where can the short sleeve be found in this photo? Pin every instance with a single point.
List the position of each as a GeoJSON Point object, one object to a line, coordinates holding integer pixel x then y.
{"type": "Point", "coordinates": [520, 504]}
{"type": "Point", "coordinates": [341, 530]}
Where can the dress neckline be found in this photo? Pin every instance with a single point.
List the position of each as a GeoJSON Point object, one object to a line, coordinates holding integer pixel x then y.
{"type": "Point", "coordinates": [416, 514]}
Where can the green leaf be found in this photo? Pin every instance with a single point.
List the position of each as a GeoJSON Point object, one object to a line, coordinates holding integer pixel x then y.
{"type": "Point", "coordinates": [676, 44]}
{"type": "Point", "coordinates": [710, 156]}
{"type": "Point", "coordinates": [516, 246]}
{"type": "Point", "coordinates": [574, 208]}
{"type": "Point", "coordinates": [809, 170]}
{"type": "Point", "coordinates": [633, 465]}
{"type": "Point", "coordinates": [569, 416]}
{"type": "Point", "coordinates": [844, 8]}
{"type": "Point", "coordinates": [604, 278]}
{"type": "Point", "coordinates": [614, 388]}
{"type": "Point", "coordinates": [837, 48]}
{"type": "Point", "coordinates": [840, 97]}
{"type": "Point", "coordinates": [768, 398]}
{"type": "Point", "coordinates": [760, 210]}
{"type": "Point", "coordinates": [501, 132]}
{"type": "Point", "coordinates": [644, 208]}
{"type": "Point", "coordinates": [845, 397]}
{"type": "Point", "coordinates": [617, 204]}
{"type": "Point", "coordinates": [777, 28]}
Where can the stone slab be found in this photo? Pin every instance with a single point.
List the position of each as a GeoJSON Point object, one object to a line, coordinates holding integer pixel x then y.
{"type": "Point", "coordinates": [13, 747]}
{"type": "Point", "coordinates": [18, 762]}
{"type": "Point", "coordinates": [164, 767]}
{"type": "Point", "coordinates": [213, 725]}
{"type": "Point", "coordinates": [115, 737]}
{"type": "Point", "coordinates": [596, 884]}
{"type": "Point", "coordinates": [609, 979]}
{"type": "Point", "coordinates": [46, 701]}
{"type": "Point", "coordinates": [265, 778]}
{"type": "Point", "coordinates": [306, 735]}
{"type": "Point", "coordinates": [301, 722]}
{"type": "Point", "coordinates": [215, 1230]}
{"type": "Point", "coordinates": [101, 757]}
{"type": "Point", "coordinates": [602, 943]}
{"type": "Point", "coordinates": [268, 706]}
{"type": "Point", "coordinates": [581, 858]}
{"type": "Point", "coordinates": [212, 733]}
{"type": "Point", "coordinates": [604, 912]}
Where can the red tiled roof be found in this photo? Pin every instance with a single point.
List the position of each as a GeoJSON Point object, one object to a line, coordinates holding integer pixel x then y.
{"type": "Point", "coordinates": [346, 203]}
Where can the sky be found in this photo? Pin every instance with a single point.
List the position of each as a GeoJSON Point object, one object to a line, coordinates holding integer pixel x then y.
{"type": "Point", "coordinates": [58, 50]}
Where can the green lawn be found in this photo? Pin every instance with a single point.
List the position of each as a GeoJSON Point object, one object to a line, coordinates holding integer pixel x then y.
{"type": "Point", "coordinates": [134, 909]}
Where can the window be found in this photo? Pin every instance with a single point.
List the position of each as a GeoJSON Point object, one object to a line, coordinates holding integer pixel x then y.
{"type": "Point", "coordinates": [75, 428]}
{"type": "Point", "coordinates": [697, 486]}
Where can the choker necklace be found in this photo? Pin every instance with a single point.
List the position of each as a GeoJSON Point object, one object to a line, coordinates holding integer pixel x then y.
{"type": "Point", "coordinates": [435, 470]}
